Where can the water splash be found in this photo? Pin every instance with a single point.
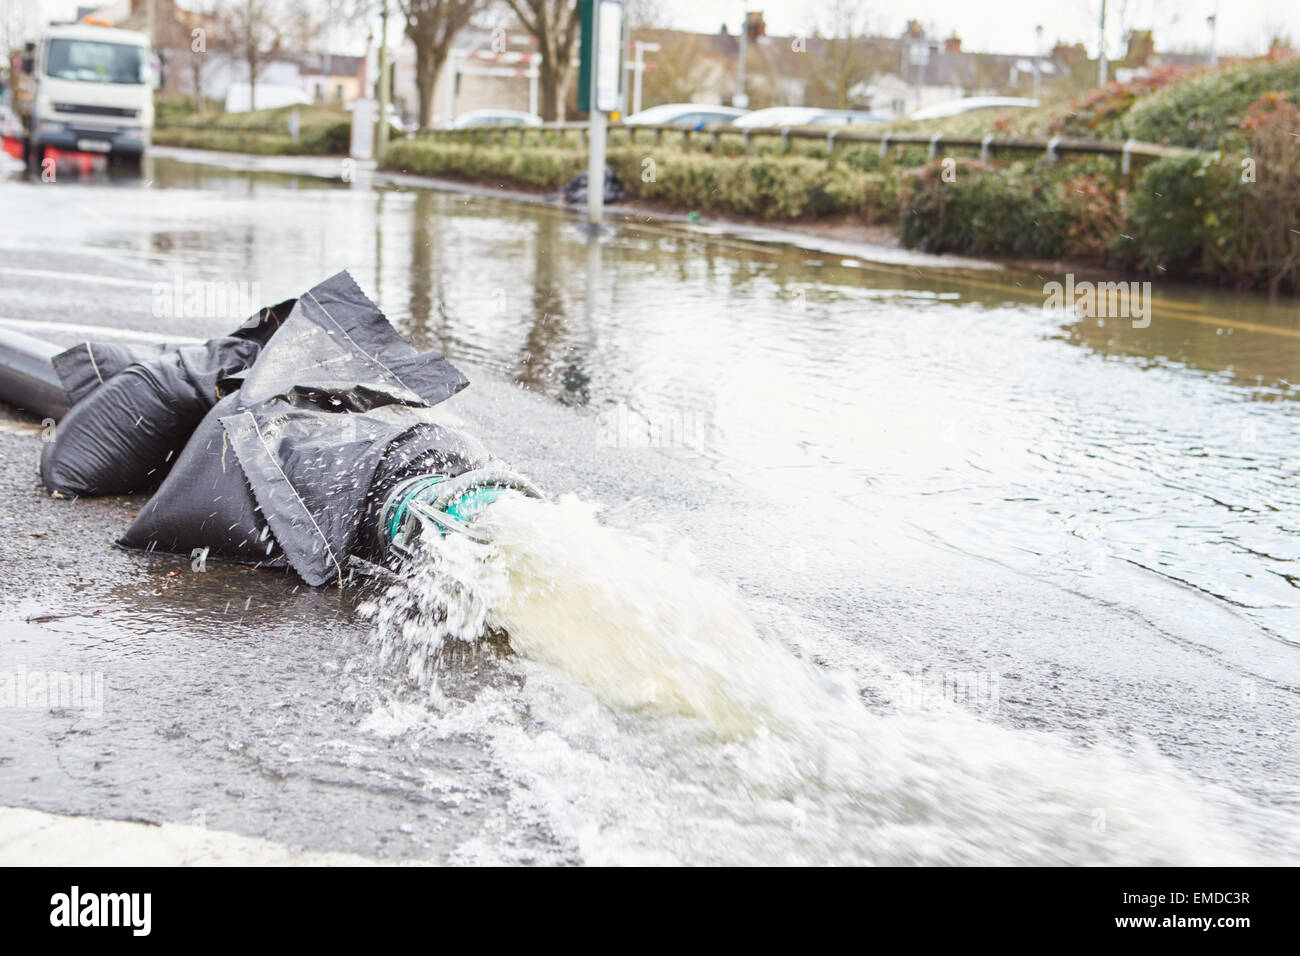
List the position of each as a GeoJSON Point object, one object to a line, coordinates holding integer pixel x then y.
{"type": "Point", "coordinates": [713, 721]}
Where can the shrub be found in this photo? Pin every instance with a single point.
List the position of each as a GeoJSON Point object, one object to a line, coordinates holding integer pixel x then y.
{"type": "Point", "coordinates": [1099, 114]}
{"type": "Point", "coordinates": [1205, 111]}
{"type": "Point", "coordinates": [980, 212]}
{"type": "Point", "coordinates": [1183, 214]}
{"type": "Point", "coordinates": [1091, 218]}
{"type": "Point", "coordinates": [1269, 240]}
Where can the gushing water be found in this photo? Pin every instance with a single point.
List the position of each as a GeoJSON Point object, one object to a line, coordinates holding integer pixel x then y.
{"type": "Point", "coordinates": [728, 724]}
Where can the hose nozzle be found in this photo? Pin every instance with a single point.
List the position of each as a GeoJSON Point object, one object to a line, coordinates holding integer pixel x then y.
{"type": "Point", "coordinates": [447, 503]}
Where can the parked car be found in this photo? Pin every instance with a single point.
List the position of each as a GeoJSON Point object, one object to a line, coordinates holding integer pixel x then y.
{"type": "Point", "coordinates": [779, 116]}
{"type": "Point", "coordinates": [955, 107]}
{"type": "Point", "coordinates": [492, 118]}
{"type": "Point", "coordinates": [690, 115]}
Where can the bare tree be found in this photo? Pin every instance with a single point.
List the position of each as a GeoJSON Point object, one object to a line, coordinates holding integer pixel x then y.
{"type": "Point", "coordinates": [192, 42]}
{"type": "Point", "coordinates": [682, 69]}
{"type": "Point", "coordinates": [18, 21]}
{"type": "Point", "coordinates": [255, 31]}
{"type": "Point", "coordinates": [432, 25]}
{"type": "Point", "coordinates": [644, 14]}
{"type": "Point", "coordinates": [847, 56]}
{"type": "Point", "coordinates": [557, 26]}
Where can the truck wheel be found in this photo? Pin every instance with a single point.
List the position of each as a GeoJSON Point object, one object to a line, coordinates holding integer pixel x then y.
{"type": "Point", "coordinates": [130, 163]}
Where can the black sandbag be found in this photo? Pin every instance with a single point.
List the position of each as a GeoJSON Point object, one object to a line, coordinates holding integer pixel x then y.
{"type": "Point", "coordinates": [124, 435]}
{"type": "Point", "coordinates": [313, 472]}
{"type": "Point", "coordinates": [86, 366]}
{"type": "Point", "coordinates": [335, 400]}
{"type": "Point", "coordinates": [206, 504]}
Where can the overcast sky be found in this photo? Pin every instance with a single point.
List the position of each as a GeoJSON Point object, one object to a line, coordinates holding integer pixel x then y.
{"type": "Point", "coordinates": [1007, 26]}
{"type": "Point", "coordinates": [1004, 26]}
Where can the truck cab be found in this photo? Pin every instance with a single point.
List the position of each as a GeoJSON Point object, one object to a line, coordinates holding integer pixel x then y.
{"type": "Point", "coordinates": [87, 89]}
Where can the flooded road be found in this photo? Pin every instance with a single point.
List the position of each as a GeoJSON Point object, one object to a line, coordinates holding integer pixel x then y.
{"type": "Point", "coordinates": [1026, 545]}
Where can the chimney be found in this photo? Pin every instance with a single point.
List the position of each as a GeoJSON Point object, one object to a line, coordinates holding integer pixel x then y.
{"type": "Point", "coordinates": [952, 44]}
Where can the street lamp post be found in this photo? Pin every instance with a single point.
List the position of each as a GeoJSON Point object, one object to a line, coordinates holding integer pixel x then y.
{"type": "Point", "coordinates": [381, 128]}
{"type": "Point", "coordinates": [741, 99]}
{"type": "Point", "coordinates": [1213, 20]}
{"type": "Point", "coordinates": [920, 55]}
{"type": "Point", "coordinates": [1101, 48]}
{"type": "Point", "coordinates": [1038, 55]}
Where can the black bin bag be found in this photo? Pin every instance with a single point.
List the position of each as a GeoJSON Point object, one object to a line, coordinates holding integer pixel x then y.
{"type": "Point", "coordinates": [288, 469]}
{"type": "Point", "coordinates": [137, 406]}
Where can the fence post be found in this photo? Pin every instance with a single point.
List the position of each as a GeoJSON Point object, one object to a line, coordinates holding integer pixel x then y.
{"type": "Point", "coordinates": [1051, 149]}
{"type": "Point", "coordinates": [785, 141]}
{"type": "Point", "coordinates": [984, 147]}
{"type": "Point", "coordinates": [884, 145]}
{"type": "Point", "coordinates": [934, 143]}
{"type": "Point", "coordinates": [1126, 161]}
{"type": "Point", "coordinates": [830, 145]}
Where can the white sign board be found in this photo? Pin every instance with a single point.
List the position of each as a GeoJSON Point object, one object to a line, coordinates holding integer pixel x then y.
{"type": "Point", "coordinates": [363, 129]}
{"type": "Point", "coordinates": [609, 45]}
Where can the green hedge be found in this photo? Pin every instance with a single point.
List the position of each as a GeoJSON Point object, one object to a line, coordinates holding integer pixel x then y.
{"type": "Point", "coordinates": [1203, 111]}
{"type": "Point", "coordinates": [328, 140]}
{"type": "Point", "coordinates": [1015, 211]}
{"type": "Point", "coordinates": [770, 187]}
{"type": "Point", "coordinates": [539, 168]}
{"type": "Point", "coordinates": [1187, 217]}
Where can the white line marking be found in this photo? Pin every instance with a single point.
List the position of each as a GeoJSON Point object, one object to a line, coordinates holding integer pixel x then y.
{"type": "Point", "coordinates": [83, 277]}
{"type": "Point", "coordinates": [105, 331]}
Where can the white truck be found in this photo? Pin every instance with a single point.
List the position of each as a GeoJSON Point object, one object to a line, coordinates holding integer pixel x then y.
{"type": "Point", "coordinates": [86, 88]}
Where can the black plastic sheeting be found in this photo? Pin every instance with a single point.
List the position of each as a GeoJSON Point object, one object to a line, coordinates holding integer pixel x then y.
{"type": "Point", "coordinates": [575, 190]}
{"type": "Point", "coordinates": [292, 467]}
{"type": "Point", "coordinates": [138, 405]}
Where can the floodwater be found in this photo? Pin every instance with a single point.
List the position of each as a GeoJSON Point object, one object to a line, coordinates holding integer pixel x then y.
{"type": "Point", "coordinates": [912, 568]}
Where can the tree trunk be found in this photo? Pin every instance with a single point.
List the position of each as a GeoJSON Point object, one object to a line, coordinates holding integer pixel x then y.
{"type": "Point", "coordinates": [425, 73]}
{"type": "Point", "coordinates": [548, 92]}
{"type": "Point", "coordinates": [252, 78]}
{"type": "Point", "coordinates": [196, 65]}
{"type": "Point", "coordinates": [562, 93]}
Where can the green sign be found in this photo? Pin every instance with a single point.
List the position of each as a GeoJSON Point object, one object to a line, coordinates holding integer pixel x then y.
{"type": "Point", "coordinates": [586, 53]}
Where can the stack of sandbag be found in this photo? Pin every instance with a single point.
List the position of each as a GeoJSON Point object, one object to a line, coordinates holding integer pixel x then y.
{"type": "Point", "coordinates": [136, 406]}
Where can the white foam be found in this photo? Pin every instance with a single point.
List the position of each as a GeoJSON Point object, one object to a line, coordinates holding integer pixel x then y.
{"type": "Point", "coordinates": [662, 728]}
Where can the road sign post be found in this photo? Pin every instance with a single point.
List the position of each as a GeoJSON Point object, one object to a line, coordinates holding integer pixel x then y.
{"type": "Point", "coordinates": [599, 75]}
